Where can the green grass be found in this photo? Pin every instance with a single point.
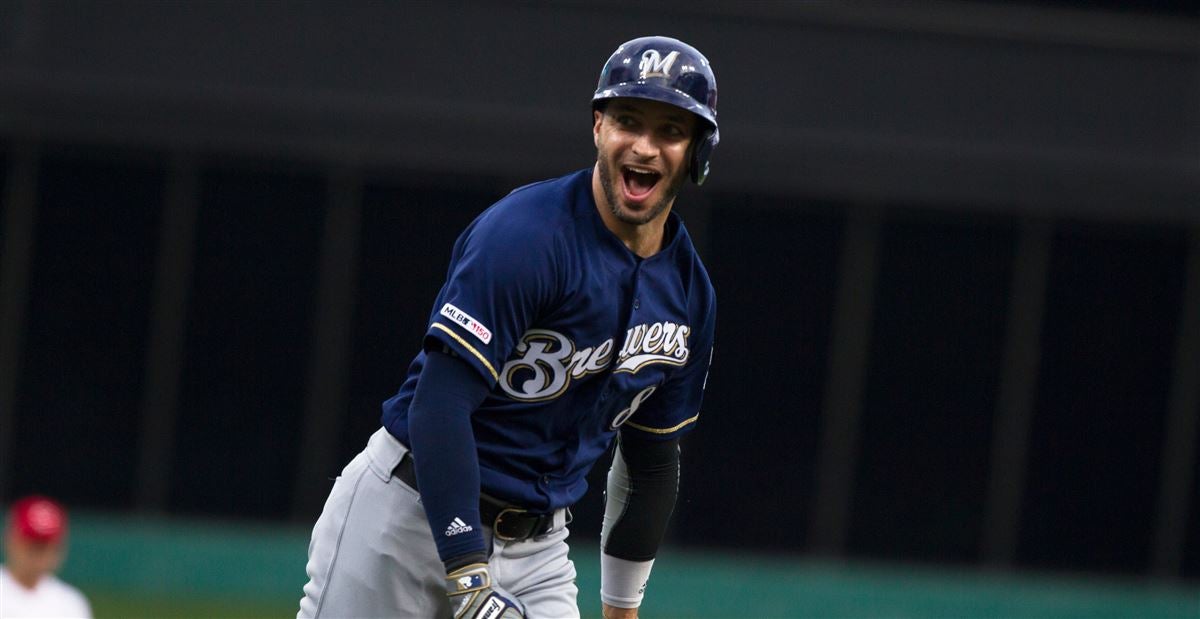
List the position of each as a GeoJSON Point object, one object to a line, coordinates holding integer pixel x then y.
{"type": "Point", "coordinates": [695, 586]}
{"type": "Point", "coordinates": [699, 585]}
{"type": "Point", "coordinates": [135, 569]}
{"type": "Point", "coordinates": [134, 605]}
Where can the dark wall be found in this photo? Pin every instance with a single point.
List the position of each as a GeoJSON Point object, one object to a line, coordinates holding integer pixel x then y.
{"type": "Point", "coordinates": [931, 385]}
{"type": "Point", "coordinates": [1112, 306]}
{"type": "Point", "coordinates": [82, 365]}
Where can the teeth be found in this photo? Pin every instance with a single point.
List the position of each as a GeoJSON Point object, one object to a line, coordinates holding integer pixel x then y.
{"type": "Point", "coordinates": [640, 170]}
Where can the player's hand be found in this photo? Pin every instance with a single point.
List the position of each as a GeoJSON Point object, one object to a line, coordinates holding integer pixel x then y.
{"type": "Point", "coordinates": [612, 612]}
{"type": "Point", "coordinates": [472, 595]}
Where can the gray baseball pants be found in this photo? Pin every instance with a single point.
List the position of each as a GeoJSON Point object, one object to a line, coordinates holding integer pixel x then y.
{"type": "Point", "coordinates": [372, 553]}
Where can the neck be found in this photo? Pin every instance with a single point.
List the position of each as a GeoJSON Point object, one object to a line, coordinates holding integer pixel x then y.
{"type": "Point", "coordinates": [645, 240]}
{"type": "Point", "coordinates": [28, 580]}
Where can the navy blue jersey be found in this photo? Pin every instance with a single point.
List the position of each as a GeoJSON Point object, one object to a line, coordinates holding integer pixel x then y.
{"type": "Point", "coordinates": [577, 335]}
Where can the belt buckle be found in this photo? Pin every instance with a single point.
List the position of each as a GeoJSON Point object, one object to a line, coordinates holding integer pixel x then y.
{"type": "Point", "coordinates": [496, 525]}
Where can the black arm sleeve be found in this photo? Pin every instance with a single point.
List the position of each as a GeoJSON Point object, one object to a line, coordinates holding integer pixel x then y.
{"type": "Point", "coordinates": [642, 487]}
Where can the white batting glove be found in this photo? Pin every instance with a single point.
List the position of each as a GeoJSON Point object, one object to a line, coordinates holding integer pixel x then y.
{"type": "Point", "coordinates": [473, 596]}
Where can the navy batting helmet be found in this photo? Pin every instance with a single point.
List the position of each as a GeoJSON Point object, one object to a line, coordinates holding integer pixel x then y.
{"type": "Point", "coordinates": [670, 71]}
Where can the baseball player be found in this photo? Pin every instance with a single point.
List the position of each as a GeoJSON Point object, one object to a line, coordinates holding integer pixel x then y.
{"type": "Point", "coordinates": [575, 312]}
{"type": "Point", "coordinates": [34, 545]}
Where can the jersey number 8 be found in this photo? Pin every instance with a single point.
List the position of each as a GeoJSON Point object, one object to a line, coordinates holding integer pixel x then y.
{"type": "Point", "coordinates": [624, 415]}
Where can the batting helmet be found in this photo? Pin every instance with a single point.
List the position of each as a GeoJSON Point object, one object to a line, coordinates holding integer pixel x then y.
{"type": "Point", "coordinates": [669, 71]}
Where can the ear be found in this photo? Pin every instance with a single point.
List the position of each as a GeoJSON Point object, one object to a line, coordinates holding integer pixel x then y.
{"type": "Point", "coordinates": [597, 119]}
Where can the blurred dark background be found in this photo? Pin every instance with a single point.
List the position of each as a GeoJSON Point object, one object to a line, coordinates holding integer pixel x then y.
{"type": "Point", "coordinates": [956, 245]}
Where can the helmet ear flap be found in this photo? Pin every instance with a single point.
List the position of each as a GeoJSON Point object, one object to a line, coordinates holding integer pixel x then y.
{"type": "Point", "coordinates": [702, 150]}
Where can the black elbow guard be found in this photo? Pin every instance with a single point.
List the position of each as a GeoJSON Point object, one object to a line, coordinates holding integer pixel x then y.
{"type": "Point", "coordinates": [653, 485]}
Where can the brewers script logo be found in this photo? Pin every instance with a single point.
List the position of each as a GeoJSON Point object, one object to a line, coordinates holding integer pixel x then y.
{"type": "Point", "coordinates": [653, 64]}
{"type": "Point", "coordinates": [547, 361]}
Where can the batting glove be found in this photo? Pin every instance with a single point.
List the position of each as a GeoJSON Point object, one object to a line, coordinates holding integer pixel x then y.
{"type": "Point", "coordinates": [473, 596]}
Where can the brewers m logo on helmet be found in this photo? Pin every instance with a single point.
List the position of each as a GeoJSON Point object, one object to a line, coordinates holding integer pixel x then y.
{"type": "Point", "coordinates": [654, 65]}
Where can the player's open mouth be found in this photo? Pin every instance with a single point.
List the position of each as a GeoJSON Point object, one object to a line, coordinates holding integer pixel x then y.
{"type": "Point", "coordinates": [639, 182]}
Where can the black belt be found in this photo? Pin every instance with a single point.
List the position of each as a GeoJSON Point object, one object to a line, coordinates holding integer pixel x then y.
{"type": "Point", "coordinates": [509, 523]}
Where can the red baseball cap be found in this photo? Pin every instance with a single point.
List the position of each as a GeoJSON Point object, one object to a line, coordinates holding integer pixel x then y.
{"type": "Point", "coordinates": [39, 519]}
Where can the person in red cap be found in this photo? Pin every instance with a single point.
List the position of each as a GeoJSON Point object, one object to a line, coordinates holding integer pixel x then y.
{"type": "Point", "coordinates": [34, 548]}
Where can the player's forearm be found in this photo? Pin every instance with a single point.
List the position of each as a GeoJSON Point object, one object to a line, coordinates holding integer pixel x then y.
{"type": "Point", "coordinates": [443, 447]}
{"type": "Point", "coordinates": [612, 612]}
{"type": "Point", "coordinates": [642, 487]}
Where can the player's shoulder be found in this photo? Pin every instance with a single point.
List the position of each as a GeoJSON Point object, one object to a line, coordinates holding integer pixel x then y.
{"type": "Point", "coordinates": [689, 264]}
{"type": "Point", "coordinates": [701, 291]}
{"type": "Point", "coordinates": [64, 589]}
{"type": "Point", "coordinates": [533, 214]}
{"type": "Point", "coordinates": [74, 599]}
{"type": "Point", "coordinates": [550, 199]}
{"type": "Point", "coordinates": [561, 184]}
{"type": "Point", "coordinates": [60, 598]}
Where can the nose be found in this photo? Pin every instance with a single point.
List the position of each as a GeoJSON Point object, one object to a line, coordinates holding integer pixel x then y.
{"type": "Point", "coordinates": [645, 147]}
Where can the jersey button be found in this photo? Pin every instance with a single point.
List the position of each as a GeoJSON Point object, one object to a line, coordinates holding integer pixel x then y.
{"type": "Point", "coordinates": [636, 304]}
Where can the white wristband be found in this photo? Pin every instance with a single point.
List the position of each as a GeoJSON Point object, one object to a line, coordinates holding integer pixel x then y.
{"type": "Point", "coordinates": [623, 582]}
